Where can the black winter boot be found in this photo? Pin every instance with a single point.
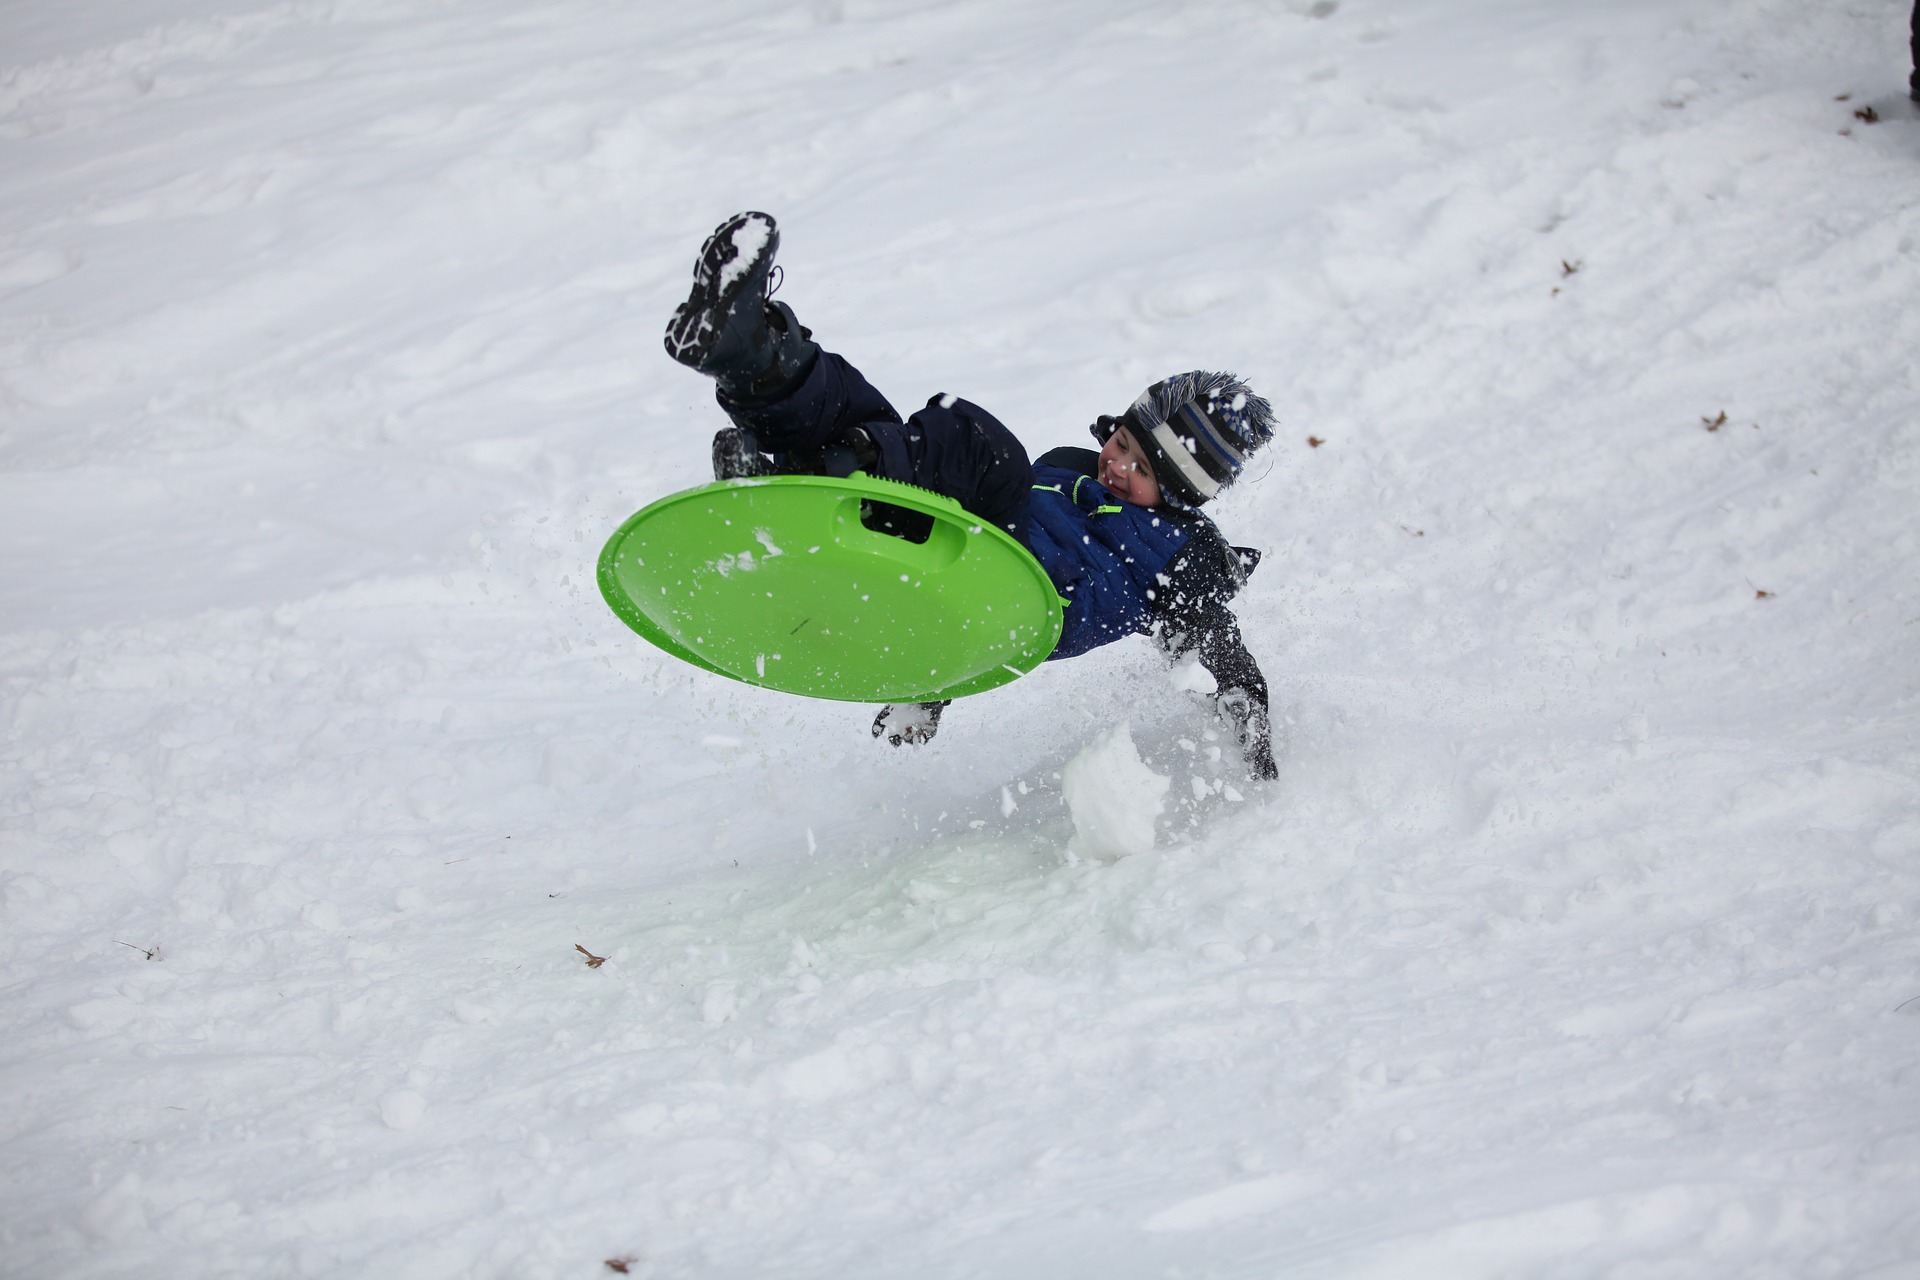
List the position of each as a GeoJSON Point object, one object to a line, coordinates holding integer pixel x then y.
{"type": "Point", "coordinates": [909, 724]}
{"type": "Point", "coordinates": [727, 329]}
{"type": "Point", "coordinates": [737, 455]}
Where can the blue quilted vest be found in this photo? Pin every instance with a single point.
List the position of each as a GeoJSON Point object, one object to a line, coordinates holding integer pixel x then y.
{"type": "Point", "coordinates": [1105, 556]}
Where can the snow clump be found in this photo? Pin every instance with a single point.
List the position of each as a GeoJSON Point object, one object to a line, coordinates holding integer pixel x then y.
{"type": "Point", "coordinates": [1113, 797]}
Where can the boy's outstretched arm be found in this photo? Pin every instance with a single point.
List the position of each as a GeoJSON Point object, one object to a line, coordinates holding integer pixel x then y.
{"type": "Point", "coordinates": [1195, 618]}
{"type": "Point", "coordinates": [1212, 634]}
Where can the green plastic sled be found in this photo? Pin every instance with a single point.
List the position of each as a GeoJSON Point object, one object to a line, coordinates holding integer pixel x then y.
{"type": "Point", "coordinates": [775, 581]}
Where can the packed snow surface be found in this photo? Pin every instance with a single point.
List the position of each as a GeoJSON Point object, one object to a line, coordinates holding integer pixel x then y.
{"type": "Point", "coordinates": [372, 903]}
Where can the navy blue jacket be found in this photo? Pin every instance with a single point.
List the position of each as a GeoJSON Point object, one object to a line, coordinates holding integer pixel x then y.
{"type": "Point", "coordinates": [1127, 570]}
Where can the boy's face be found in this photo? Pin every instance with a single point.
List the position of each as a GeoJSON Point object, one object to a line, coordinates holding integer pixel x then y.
{"type": "Point", "coordinates": [1124, 470]}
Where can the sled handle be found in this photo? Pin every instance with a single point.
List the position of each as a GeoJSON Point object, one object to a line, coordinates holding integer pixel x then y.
{"type": "Point", "coordinates": [946, 542]}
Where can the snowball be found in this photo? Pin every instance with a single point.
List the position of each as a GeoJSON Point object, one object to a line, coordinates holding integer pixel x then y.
{"type": "Point", "coordinates": [1112, 796]}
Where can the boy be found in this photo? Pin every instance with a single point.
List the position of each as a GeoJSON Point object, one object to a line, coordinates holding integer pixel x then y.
{"type": "Point", "coordinates": [1119, 532]}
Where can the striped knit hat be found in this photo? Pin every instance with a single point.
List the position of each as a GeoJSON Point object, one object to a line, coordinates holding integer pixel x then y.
{"type": "Point", "coordinates": [1198, 429]}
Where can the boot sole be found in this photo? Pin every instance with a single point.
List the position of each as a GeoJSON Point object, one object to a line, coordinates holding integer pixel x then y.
{"type": "Point", "coordinates": [729, 263]}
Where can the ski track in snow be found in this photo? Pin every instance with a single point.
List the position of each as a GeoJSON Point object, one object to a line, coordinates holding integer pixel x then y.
{"type": "Point", "coordinates": [1576, 939]}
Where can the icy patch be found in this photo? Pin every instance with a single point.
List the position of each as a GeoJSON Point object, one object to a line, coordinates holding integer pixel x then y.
{"type": "Point", "coordinates": [1113, 797]}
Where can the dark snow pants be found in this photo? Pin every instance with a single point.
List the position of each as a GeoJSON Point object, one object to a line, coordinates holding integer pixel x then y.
{"type": "Point", "coordinates": [952, 447]}
{"type": "Point", "coordinates": [1913, 84]}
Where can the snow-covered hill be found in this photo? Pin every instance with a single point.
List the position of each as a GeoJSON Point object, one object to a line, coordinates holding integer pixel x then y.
{"type": "Point", "coordinates": [1577, 938]}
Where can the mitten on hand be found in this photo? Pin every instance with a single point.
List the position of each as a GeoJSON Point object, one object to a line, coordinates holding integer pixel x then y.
{"type": "Point", "coordinates": [1250, 721]}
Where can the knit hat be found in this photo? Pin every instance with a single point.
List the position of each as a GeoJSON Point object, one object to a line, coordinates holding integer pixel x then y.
{"type": "Point", "coordinates": [1198, 429]}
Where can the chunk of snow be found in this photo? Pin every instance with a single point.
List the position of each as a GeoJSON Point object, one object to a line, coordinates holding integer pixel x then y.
{"type": "Point", "coordinates": [1188, 676]}
{"type": "Point", "coordinates": [1113, 797]}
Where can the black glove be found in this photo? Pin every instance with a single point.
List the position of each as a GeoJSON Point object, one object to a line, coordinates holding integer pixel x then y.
{"type": "Point", "coordinates": [1250, 721]}
{"type": "Point", "coordinates": [850, 451]}
{"type": "Point", "coordinates": [910, 724]}
{"type": "Point", "coordinates": [737, 456]}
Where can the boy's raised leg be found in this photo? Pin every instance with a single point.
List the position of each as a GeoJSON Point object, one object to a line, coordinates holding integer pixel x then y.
{"type": "Point", "coordinates": [793, 411]}
{"type": "Point", "coordinates": [726, 328]}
